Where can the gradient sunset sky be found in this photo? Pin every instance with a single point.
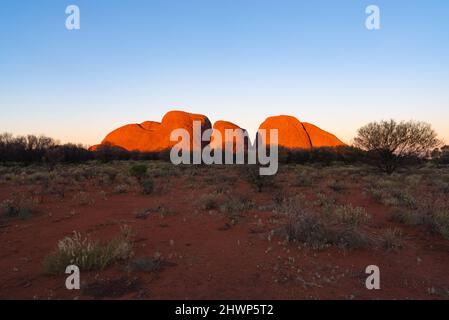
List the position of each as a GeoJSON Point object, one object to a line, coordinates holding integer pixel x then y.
{"type": "Point", "coordinates": [237, 60]}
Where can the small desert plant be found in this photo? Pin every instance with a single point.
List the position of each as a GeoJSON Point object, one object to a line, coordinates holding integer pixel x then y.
{"type": "Point", "coordinates": [9, 208]}
{"type": "Point", "coordinates": [138, 170]}
{"type": "Point", "coordinates": [400, 198]}
{"type": "Point", "coordinates": [326, 202]}
{"type": "Point", "coordinates": [84, 198]}
{"type": "Point", "coordinates": [317, 231]}
{"type": "Point", "coordinates": [351, 216]}
{"type": "Point", "coordinates": [88, 254]}
{"type": "Point", "coordinates": [146, 265]}
{"type": "Point", "coordinates": [260, 182]}
{"type": "Point", "coordinates": [20, 207]}
{"type": "Point", "coordinates": [336, 185]}
{"type": "Point", "coordinates": [392, 240]}
{"type": "Point", "coordinates": [351, 238]}
{"type": "Point", "coordinates": [438, 222]}
{"type": "Point", "coordinates": [234, 207]}
{"type": "Point", "coordinates": [121, 188]}
{"type": "Point", "coordinates": [308, 229]}
{"type": "Point", "coordinates": [411, 217]}
{"type": "Point", "coordinates": [209, 202]}
{"type": "Point", "coordinates": [304, 179]}
{"type": "Point", "coordinates": [147, 185]}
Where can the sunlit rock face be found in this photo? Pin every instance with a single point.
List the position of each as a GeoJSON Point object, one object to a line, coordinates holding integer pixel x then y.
{"type": "Point", "coordinates": [293, 134]}
{"type": "Point", "coordinates": [151, 136]}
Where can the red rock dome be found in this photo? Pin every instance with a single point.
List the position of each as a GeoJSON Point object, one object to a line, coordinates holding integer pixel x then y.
{"type": "Point", "coordinates": [153, 136]}
{"type": "Point", "coordinates": [293, 134]}
{"type": "Point", "coordinates": [219, 129]}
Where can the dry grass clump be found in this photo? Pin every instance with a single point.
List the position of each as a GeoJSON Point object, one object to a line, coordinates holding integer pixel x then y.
{"type": "Point", "coordinates": [88, 254]}
{"type": "Point", "coordinates": [318, 230]}
{"type": "Point", "coordinates": [393, 240]}
{"type": "Point", "coordinates": [18, 207]}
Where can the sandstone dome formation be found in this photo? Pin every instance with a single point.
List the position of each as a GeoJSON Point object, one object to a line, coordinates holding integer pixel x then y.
{"type": "Point", "coordinates": [219, 139]}
{"type": "Point", "coordinates": [293, 134]}
{"type": "Point", "coordinates": [151, 136]}
{"type": "Point", "coordinates": [320, 138]}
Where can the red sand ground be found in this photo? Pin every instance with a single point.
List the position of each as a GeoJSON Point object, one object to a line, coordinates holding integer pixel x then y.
{"type": "Point", "coordinates": [210, 260]}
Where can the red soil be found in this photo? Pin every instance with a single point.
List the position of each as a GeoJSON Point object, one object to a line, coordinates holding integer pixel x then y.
{"type": "Point", "coordinates": [212, 259]}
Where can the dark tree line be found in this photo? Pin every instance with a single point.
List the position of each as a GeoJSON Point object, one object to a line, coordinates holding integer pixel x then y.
{"type": "Point", "coordinates": [386, 144]}
{"type": "Point", "coordinates": [42, 149]}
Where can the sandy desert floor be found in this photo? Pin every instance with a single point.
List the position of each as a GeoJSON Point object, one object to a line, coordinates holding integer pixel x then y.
{"type": "Point", "coordinates": [208, 233]}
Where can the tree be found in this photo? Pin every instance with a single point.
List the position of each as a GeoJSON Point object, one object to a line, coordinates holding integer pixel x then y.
{"type": "Point", "coordinates": [389, 143]}
{"type": "Point", "coordinates": [441, 155]}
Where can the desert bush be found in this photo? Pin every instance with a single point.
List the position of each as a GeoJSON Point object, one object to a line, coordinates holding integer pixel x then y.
{"type": "Point", "coordinates": [121, 188]}
{"type": "Point", "coordinates": [438, 222]}
{"type": "Point", "coordinates": [304, 179]}
{"type": "Point", "coordinates": [441, 156]}
{"type": "Point", "coordinates": [351, 216]}
{"type": "Point", "coordinates": [351, 238]}
{"type": "Point", "coordinates": [138, 171]}
{"type": "Point", "coordinates": [412, 218]}
{"type": "Point", "coordinates": [260, 182]}
{"type": "Point", "coordinates": [400, 198]}
{"type": "Point", "coordinates": [209, 202]}
{"type": "Point", "coordinates": [391, 193]}
{"type": "Point", "coordinates": [326, 155]}
{"type": "Point", "coordinates": [390, 144]}
{"type": "Point", "coordinates": [83, 198]}
{"type": "Point", "coordinates": [432, 212]}
{"type": "Point", "coordinates": [336, 185]}
{"type": "Point", "coordinates": [147, 185]}
{"type": "Point", "coordinates": [18, 207]}
{"type": "Point", "coordinates": [325, 202]}
{"type": "Point", "coordinates": [318, 232]}
{"type": "Point", "coordinates": [147, 265]}
{"type": "Point", "coordinates": [235, 206]}
{"type": "Point", "coordinates": [88, 254]}
{"type": "Point", "coordinates": [307, 228]}
{"type": "Point", "coordinates": [393, 240]}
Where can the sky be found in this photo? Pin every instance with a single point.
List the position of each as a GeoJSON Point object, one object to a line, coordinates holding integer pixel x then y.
{"type": "Point", "coordinates": [234, 60]}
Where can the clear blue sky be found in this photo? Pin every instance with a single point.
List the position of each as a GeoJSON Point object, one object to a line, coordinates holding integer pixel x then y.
{"type": "Point", "coordinates": [237, 60]}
